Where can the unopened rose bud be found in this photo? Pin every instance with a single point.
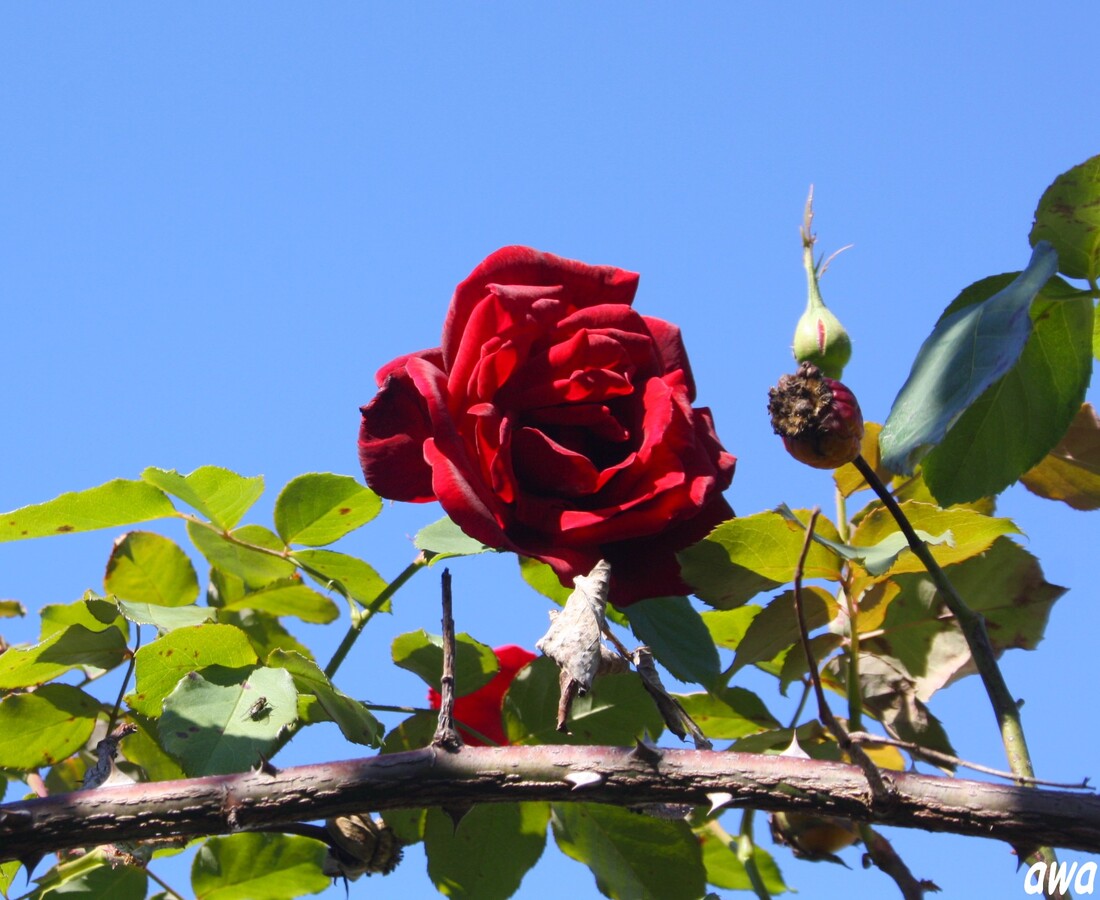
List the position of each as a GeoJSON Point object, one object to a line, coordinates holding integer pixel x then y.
{"type": "Point", "coordinates": [819, 338]}
{"type": "Point", "coordinates": [818, 418]}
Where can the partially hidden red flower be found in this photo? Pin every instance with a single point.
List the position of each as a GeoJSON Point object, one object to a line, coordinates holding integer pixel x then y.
{"type": "Point", "coordinates": [818, 418]}
{"type": "Point", "coordinates": [481, 710]}
{"type": "Point", "coordinates": [556, 422]}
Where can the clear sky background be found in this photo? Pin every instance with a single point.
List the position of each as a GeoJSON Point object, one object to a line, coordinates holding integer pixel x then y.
{"type": "Point", "coordinates": [218, 220]}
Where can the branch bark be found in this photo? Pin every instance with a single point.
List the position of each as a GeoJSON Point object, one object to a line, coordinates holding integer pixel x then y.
{"type": "Point", "coordinates": [1023, 817]}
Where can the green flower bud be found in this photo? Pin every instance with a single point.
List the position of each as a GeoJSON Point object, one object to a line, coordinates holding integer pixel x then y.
{"type": "Point", "coordinates": [819, 338]}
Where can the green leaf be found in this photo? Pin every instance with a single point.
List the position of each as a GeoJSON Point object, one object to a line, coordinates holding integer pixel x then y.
{"type": "Point", "coordinates": [444, 539]}
{"type": "Point", "coordinates": [776, 627]}
{"type": "Point", "coordinates": [44, 727]}
{"type": "Point", "coordinates": [159, 666]}
{"type": "Point", "coordinates": [219, 494]}
{"type": "Point", "coordinates": [793, 666]}
{"type": "Point", "coordinates": [149, 568]}
{"type": "Point", "coordinates": [616, 711]}
{"type": "Point", "coordinates": [631, 856]}
{"type": "Point", "coordinates": [543, 579]}
{"type": "Point", "coordinates": [348, 575]}
{"type": "Point", "coordinates": [90, 877]}
{"type": "Point", "coordinates": [679, 639]}
{"type": "Point", "coordinates": [166, 618]}
{"type": "Point", "coordinates": [422, 654]}
{"type": "Point", "coordinates": [265, 633]}
{"type": "Point", "coordinates": [1096, 333]}
{"type": "Point", "coordinates": [729, 626]}
{"type": "Point", "coordinates": [319, 508]}
{"type": "Point", "coordinates": [971, 532]}
{"type": "Point", "coordinates": [8, 871]}
{"type": "Point", "coordinates": [254, 567]}
{"type": "Point", "coordinates": [968, 350]}
{"type": "Point", "coordinates": [118, 502]}
{"type": "Point", "coordinates": [728, 713]}
{"type": "Point", "coordinates": [353, 718]}
{"type": "Point", "coordinates": [75, 647]}
{"type": "Point", "coordinates": [745, 556]}
{"type": "Point", "coordinates": [1015, 423]}
{"type": "Point", "coordinates": [143, 749]}
{"type": "Point", "coordinates": [258, 866]}
{"type": "Point", "coordinates": [812, 738]}
{"type": "Point", "coordinates": [1068, 216]}
{"type": "Point", "coordinates": [215, 729]}
{"type": "Point", "coordinates": [288, 597]}
{"type": "Point", "coordinates": [93, 612]}
{"type": "Point", "coordinates": [412, 733]}
{"type": "Point", "coordinates": [487, 854]}
{"type": "Point", "coordinates": [1071, 471]}
{"type": "Point", "coordinates": [725, 870]}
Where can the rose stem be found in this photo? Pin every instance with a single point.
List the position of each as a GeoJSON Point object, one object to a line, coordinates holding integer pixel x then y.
{"type": "Point", "coordinates": [352, 634]}
{"type": "Point", "coordinates": [973, 628]}
{"type": "Point", "coordinates": [445, 734]}
{"type": "Point", "coordinates": [880, 790]}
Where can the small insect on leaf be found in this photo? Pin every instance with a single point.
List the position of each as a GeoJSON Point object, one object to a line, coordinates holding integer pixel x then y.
{"type": "Point", "coordinates": [261, 709]}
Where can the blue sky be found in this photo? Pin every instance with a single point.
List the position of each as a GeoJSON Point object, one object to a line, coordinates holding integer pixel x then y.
{"type": "Point", "coordinates": [217, 221]}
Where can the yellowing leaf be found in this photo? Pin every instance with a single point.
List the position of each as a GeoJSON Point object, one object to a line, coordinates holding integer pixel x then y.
{"type": "Point", "coordinates": [847, 478]}
{"type": "Point", "coordinates": [971, 533]}
{"type": "Point", "coordinates": [1071, 471]}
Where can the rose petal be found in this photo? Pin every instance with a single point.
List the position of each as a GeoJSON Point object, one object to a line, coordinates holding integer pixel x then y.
{"type": "Point", "coordinates": [670, 348]}
{"type": "Point", "coordinates": [392, 432]}
{"type": "Point", "coordinates": [548, 468]}
{"type": "Point", "coordinates": [647, 567]}
{"type": "Point", "coordinates": [481, 710]}
{"type": "Point", "coordinates": [585, 285]}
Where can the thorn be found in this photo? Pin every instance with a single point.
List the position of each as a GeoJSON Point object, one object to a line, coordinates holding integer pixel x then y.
{"type": "Point", "coordinates": [30, 862]}
{"type": "Point", "coordinates": [457, 813]}
{"type": "Point", "coordinates": [646, 751]}
{"type": "Point", "coordinates": [264, 765]}
{"type": "Point", "coordinates": [795, 749]}
{"type": "Point", "coordinates": [584, 779]}
{"type": "Point", "coordinates": [1022, 853]}
{"type": "Point", "coordinates": [718, 799]}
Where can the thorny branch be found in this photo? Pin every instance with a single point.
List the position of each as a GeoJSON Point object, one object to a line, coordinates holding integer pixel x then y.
{"type": "Point", "coordinates": [227, 803]}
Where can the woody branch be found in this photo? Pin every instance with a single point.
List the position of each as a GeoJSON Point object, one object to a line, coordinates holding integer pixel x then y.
{"type": "Point", "coordinates": [1023, 817]}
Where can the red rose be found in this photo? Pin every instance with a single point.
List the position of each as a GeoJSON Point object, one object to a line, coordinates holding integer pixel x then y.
{"type": "Point", "coordinates": [481, 709]}
{"type": "Point", "coordinates": [556, 422]}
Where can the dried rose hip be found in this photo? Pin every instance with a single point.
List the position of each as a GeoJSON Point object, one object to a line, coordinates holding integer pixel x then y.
{"type": "Point", "coordinates": [817, 417]}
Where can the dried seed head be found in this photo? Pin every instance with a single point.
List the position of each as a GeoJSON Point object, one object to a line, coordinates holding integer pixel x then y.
{"type": "Point", "coordinates": [818, 418]}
